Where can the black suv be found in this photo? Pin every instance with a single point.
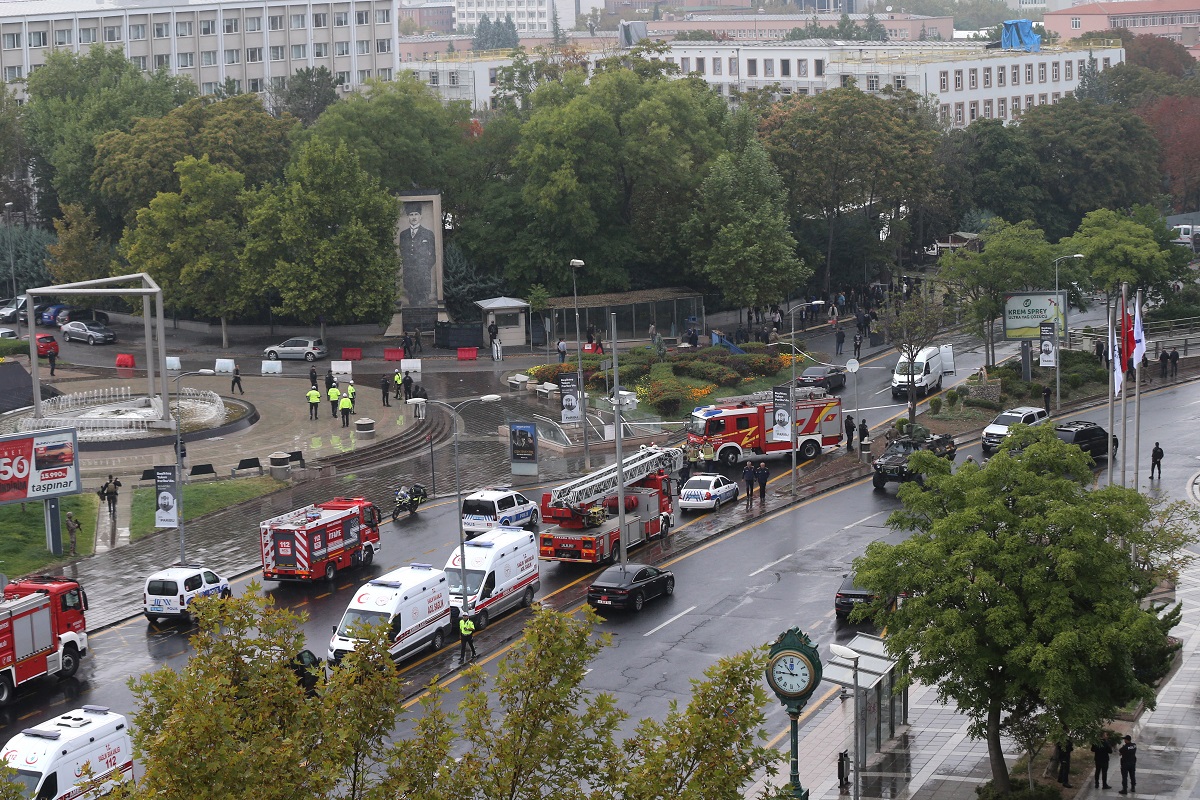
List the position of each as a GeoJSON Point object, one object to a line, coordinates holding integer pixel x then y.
{"type": "Point", "coordinates": [849, 597]}
{"type": "Point", "coordinates": [893, 464]}
{"type": "Point", "coordinates": [1087, 436]}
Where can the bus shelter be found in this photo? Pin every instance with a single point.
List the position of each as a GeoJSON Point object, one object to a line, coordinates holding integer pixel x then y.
{"type": "Point", "coordinates": [879, 709]}
{"type": "Point", "coordinates": [672, 310]}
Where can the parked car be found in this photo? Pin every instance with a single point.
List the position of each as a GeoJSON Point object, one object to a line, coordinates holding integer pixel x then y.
{"type": "Point", "coordinates": [707, 491]}
{"type": "Point", "coordinates": [824, 377]}
{"type": "Point", "coordinates": [630, 586]}
{"type": "Point", "coordinates": [7, 333]}
{"type": "Point", "coordinates": [1087, 436]}
{"type": "Point", "coordinates": [49, 315]}
{"type": "Point", "coordinates": [994, 433]}
{"type": "Point", "coordinates": [12, 307]}
{"type": "Point", "coordinates": [81, 315]}
{"type": "Point", "coordinates": [90, 332]}
{"type": "Point", "coordinates": [298, 347]}
{"type": "Point", "coordinates": [46, 344]}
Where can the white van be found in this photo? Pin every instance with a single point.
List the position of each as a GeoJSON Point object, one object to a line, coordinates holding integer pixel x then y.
{"type": "Point", "coordinates": [50, 758]}
{"type": "Point", "coordinates": [933, 363]}
{"type": "Point", "coordinates": [169, 592]}
{"type": "Point", "coordinates": [502, 573]}
{"type": "Point", "coordinates": [413, 600]}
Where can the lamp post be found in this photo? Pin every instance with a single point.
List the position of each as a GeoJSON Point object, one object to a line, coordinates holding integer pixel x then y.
{"type": "Point", "coordinates": [179, 454]}
{"type": "Point", "coordinates": [841, 651]}
{"type": "Point", "coordinates": [576, 265]}
{"type": "Point", "coordinates": [1058, 336]}
{"type": "Point", "coordinates": [12, 267]}
{"type": "Point", "coordinates": [462, 537]}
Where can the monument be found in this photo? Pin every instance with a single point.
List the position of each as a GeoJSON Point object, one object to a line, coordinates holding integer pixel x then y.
{"type": "Point", "coordinates": [420, 297]}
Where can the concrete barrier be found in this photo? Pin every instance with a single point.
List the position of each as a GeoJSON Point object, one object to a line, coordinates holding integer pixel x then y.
{"type": "Point", "coordinates": [280, 466]}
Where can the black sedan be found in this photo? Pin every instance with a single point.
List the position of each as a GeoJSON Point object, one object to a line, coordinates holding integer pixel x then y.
{"type": "Point", "coordinates": [630, 586]}
{"type": "Point", "coordinates": [824, 377]}
{"type": "Point", "coordinates": [81, 315]}
{"type": "Point", "coordinates": [90, 332]}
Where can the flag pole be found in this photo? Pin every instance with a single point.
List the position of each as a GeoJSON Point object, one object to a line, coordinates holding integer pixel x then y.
{"type": "Point", "coordinates": [1125, 357]}
{"type": "Point", "coordinates": [1139, 348]}
{"type": "Point", "coordinates": [1112, 389]}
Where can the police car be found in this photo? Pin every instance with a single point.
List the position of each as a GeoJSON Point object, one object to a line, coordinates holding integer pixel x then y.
{"type": "Point", "coordinates": [707, 491]}
{"type": "Point", "coordinates": [489, 508]}
{"type": "Point", "coordinates": [169, 592]}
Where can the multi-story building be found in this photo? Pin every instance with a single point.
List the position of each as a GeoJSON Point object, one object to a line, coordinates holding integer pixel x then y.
{"type": "Point", "coordinates": [256, 44]}
{"type": "Point", "coordinates": [436, 15]}
{"type": "Point", "coordinates": [775, 27]}
{"type": "Point", "coordinates": [529, 16]}
{"type": "Point", "coordinates": [1165, 18]}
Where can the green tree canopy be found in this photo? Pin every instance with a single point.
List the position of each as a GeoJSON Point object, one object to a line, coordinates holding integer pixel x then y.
{"type": "Point", "coordinates": [80, 253]}
{"type": "Point", "coordinates": [1118, 250]}
{"type": "Point", "coordinates": [307, 93]}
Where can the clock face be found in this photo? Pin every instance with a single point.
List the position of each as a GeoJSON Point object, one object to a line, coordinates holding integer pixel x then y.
{"type": "Point", "coordinates": [791, 673]}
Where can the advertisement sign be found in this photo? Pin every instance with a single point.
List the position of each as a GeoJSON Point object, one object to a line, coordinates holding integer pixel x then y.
{"type": "Point", "coordinates": [1024, 313]}
{"type": "Point", "coordinates": [522, 437]}
{"type": "Point", "coordinates": [568, 391]}
{"type": "Point", "coordinates": [1048, 352]}
{"type": "Point", "coordinates": [36, 466]}
{"type": "Point", "coordinates": [166, 489]}
{"type": "Point", "coordinates": [781, 424]}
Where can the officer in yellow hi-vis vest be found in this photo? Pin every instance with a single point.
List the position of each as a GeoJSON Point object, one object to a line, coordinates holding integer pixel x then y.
{"type": "Point", "coordinates": [314, 402]}
{"type": "Point", "coordinates": [466, 632]}
{"type": "Point", "coordinates": [334, 395]}
{"type": "Point", "coordinates": [350, 393]}
{"type": "Point", "coordinates": [344, 405]}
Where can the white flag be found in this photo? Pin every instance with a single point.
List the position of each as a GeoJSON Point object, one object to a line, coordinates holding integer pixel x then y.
{"type": "Point", "coordinates": [1139, 338]}
{"type": "Point", "coordinates": [1114, 359]}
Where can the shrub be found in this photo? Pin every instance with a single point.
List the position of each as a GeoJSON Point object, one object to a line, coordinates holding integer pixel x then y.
{"type": "Point", "coordinates": [709, 371]}
{"type": "Point", "coordinates": [952, 399]}
{"type": "Point", "coordinates": [548, 373]}
{"type": "Point", "coordinates": [1035, 390]}
{"type": "Point", "coordinates": [935, 406]}
{"type": "Point", "coordinates": [1016, 388]}
{"type": "Point", "coordinates": [1075, 380]}
{"type": "Point", "coordinates": [13, 347]}
{"type": "Point", "coordinates": [669, 395]}
{"type": "Point", "coordinates": [1019, 790]}
{"type": "Point", "coordinates": [979, 402]}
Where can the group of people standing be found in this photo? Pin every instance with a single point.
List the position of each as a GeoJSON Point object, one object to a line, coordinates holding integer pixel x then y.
{"type": "Point", "coordinates": [752, 475]}
{"type": "Point", "coordinates": [1101, 751]}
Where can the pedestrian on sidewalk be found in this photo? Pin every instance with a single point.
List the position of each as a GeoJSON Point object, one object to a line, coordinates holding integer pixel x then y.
{"type": "Point", "coordinates": [52, 357]}
{"type": "Point", "coordinates": [466, 633]}
{"type": "Point", "coordinates": [312, 375]}
{"type": "Point", "coordinates": [1164, 361]}
{"type": "Point", "coordinates": [1174, 362]}
{"type": "Point", "coordinates": [849, 433]}
{"type": "Point", "coordinates": [748, 477]}
{"type": "Point", "coordinates": [840, 340]}
{"type": "Point", "coordinates": [237, 380]}
{"type": "Point", "coordinates": [385, 384]}
{"type": "Point", "coordinates": [330, 381]}
{"type": "Point", "coordinates": [334, 394]}
{"type": "Point", "coordinates": [864, 434]}
{"type": "Point", "coordinates": [1100, 753]}
{"type": "Point", "coordinates": [762, 474]}
{"type": "Point", "coordinates": [110, 493]}
{"type": "Point", "coordinates": [314, 402]}
{"type": "Point", "coordinates": [350, 392]}
{"type": "Point", "coordinates": [72, 530]}
{"type": "Point", "coordinates": [562, 350]}
{"type": "Point", "coordinates": [653, 331]}
{"type": "Point", "coordinates": [345, 404]}
{"type": "Point", "coordinates": [1128, 753]}
{"type": "Point", "coordinates": [1062, 753]}
{"type": "Point", "coordinates": [406, 345]}
{"type": "Point", "coordinates": [1046, 398]}
{"type": "Point", "coordinates": [1156, 457]}
{"type": "Point", "coordinates": [407, 384]}
{"type": "Point", "coordinates": [416, 340]}
{"type": "Point", "coordinates": [858, 345]}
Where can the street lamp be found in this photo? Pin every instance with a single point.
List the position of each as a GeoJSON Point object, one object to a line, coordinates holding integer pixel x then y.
{"type": "Point", "coordinates": [179, 454]}
{"type": "Point", "coordinates": [576, 265]}
{"type": "Point", "coordinates": [1058, 336]}
{"type": "Point", "coordinates": [462, 537]}
{"type": "Point", "coordinates": [12, 267]}
{"type": "Point", "coordinates": [841, 651]}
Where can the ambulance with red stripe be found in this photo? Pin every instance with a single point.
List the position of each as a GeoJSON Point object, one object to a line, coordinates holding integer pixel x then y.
{"type": "Point", "coordinates": [318, 540]}
{"type": "Point", "coordinates": [502, 573]}
{"type": "Point", "coordinates": [52, 759]}
{"type": "Point", "coordinates": [413, 601]}
{"type": "Point", "coordinates": [747, 430]}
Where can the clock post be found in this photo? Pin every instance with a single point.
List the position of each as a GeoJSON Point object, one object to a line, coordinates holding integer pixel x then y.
{"type": "Point", "coordinates": [793, 673]}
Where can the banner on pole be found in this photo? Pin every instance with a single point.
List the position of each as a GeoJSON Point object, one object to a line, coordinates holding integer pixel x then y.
{"type": "Point", "coordinates": [568, 392]}
{"type": "Point", "coordinates": [1048, 353]}
{"type": "Point", "coordinates": [781, 428]}
{"type": "Point", "coordinates": [166, 492]}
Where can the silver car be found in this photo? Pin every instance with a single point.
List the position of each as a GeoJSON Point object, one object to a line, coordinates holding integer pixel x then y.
{"type": "Point", "coordinates": [298, 347]}
{"type": "Point", "coordinates": [90, 332]}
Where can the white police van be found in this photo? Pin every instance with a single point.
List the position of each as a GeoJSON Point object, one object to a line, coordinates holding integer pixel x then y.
{"type": "Point", "coordinates": [492, 508]}
{"type": "Point", "coordinates": [169, 592]}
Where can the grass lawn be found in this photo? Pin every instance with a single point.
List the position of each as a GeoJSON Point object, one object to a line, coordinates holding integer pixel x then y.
{"type": "Point", "coordinates": [23, 533]}
{"type": "Point", "coordinates": [199, 499]}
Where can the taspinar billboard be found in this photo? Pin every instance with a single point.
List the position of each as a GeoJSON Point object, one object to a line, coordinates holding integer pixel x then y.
{"type": "Point", "coordinates": [34, 466]}
{"type": "Point", "coordinates": [1025, 312]}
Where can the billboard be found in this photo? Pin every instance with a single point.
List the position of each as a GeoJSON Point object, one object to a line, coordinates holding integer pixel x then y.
{"type": "Point", "coordinates": [36, 466]}
{"type": "Point", "coordinates": [522, 442]}
{"type": "Point", "coordinates": [1025, 312]}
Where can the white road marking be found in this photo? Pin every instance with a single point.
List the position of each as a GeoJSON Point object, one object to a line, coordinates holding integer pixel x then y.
{"type": "Point", "coordinates": [768, 566]}
{"type": "Point", "coordinates": [668, 622]}
{"type": "Point", "coordinates": [864, 519]}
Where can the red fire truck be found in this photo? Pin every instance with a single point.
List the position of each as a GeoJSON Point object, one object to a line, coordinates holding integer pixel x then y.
{"type": "Point", "coordinates": [584, 512]}
{"type": "Point", "coordinates": [753, 429]}
{"type": "Point", "coordinates": [42, 630]}
{"type": "Point", "coordinates": [316, 541]}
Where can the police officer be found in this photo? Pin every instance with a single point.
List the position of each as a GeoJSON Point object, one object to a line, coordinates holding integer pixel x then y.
{"type": "Point", "coordinates": [762, 474]}
{"type": "Point", "coordinates": [330, 381]}
{"type": "Point", "coordinates": [407, 383]}
{"type": "Point", "coordinates": [350, 392]}
{"type": "Point", "coordinates": [396, 379]}
{"type": "Point", "coordinates": [466, 632]}
{"type": "Point", "coordinates": [334, 395]}
{"type": "Point", "coordinates": [345, 404]}
{"type": "Point", "coordinates": [1128, 752]}
{"type": "Point", "coordinates": [385, 384]}
{"type": "Point", "coordinates": [748, 477]}
{"type": "Point", "coordinates": [314, 402]}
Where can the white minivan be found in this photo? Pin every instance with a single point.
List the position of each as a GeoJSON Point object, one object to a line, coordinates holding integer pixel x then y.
{"type": "Point", "coordinates": [931, 365]}
{"type": "Point", "coordinates": [169, 592]}
{"type": "Point", "coordinates": [502, 573]}
{"type": "Point", "coordinates": [414, 601]}
{"type": "Point", "coordinates": [49, 759]}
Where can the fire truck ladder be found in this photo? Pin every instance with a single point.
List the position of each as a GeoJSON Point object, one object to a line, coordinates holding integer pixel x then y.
{"type": "Point", "coordinates": [603, 482]}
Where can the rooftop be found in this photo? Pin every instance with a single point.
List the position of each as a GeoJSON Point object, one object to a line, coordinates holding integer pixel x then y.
{"type": "Point", "coordinates": [1130, 7]}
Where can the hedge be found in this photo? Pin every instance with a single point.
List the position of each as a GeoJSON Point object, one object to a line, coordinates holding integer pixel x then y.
{"type": "Point", "coordinates": [979, 402]}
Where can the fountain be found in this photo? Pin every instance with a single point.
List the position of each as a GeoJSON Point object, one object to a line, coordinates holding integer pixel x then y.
{"type": "Point", "coordinates": [106, 415]}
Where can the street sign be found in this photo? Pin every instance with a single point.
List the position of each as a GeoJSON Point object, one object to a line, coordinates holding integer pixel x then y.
{"type": "Point", "coordinates": [852, 365]}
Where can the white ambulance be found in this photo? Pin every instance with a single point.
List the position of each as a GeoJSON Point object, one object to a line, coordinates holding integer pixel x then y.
{"type": "Point", "coordinates": [415, 603]}
{"type": "Point", "coordinates": [51, 759]}
{"type": "Point", "coordinates": [502, 573]}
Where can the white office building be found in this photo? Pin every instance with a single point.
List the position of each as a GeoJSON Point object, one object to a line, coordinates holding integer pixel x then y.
{"type": "Point", "coordinates": [530, 16]}
{"type": "Point", "coordinates": [252, 43]}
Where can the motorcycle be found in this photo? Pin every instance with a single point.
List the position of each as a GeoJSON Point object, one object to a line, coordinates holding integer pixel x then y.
{"type": "Point", "coordinates": [409, 499]}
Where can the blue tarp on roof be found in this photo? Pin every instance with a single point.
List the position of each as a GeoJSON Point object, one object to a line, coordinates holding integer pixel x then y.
{"type": "Point", "coordinates": [1018, 35]}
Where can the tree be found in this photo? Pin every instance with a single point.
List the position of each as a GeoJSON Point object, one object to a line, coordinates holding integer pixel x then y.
{"type": "Point", "coordinates": [484, 37]}
{"type": "Point", "coordinates": [14, 150]}
{"type": "Point", "coordinates": [1175, 122]}
{"type": "Point", "coordinates": [1020, 593]}
{"type": "Point", "coordinates": [1159, 54]}
{"type": "Point", "coordinates": [1003, 171]}
{"type": "Point", "coordinates": [1118, 250]}
{"type": "Point", "coordinates": [1012, 257]}
{"type": "Point", "coordinates": [557, 37]}
{"type": "Point", "coordinates": [325, 239]}
{"type": "Point", "coordinates": [27, 247]}
{"type": "Point", "coordinates": [505, 32]}
{"type": "Point", "coordinates": [81, 253]}
{"type": "Point", "coordinates": [1091, 87]}
{"type": "Point", "coordinates": [911, 324]}
{"type": "Point", "coordinates": [191, 241]}
{"type": "Point", "coordinates": [307, 93]}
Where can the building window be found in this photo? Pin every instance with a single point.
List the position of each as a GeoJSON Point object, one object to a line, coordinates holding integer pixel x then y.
{"type": "Point", "coordinates": [700, 66]}
{"type": "Point", "coordinates": [899, 81]}
{"type": "Point", "coordinates": [1001, 76]}
{"type": "Point", "coordinates": [162, 30]}
{"type": "Point", "coordinates": [362, 18]}
{"type": "Point", "coordinates": [1067, 68]}
{"type": "Point", "coordinates": [819, 67]}
{"type": "Point", "coordinates": [208, 58]}
{"type": "Point", "coordinates": [341, 19]}
{"type": "Point", "coordinates": [383, 16]}
{"type": "Point", "coordinates": [234, 56]}
{"type": "Point", "coordinates": [321, 20]}
{"type": "Point", "coordinates": [183, 30]}
{"type": "Point", "coordinates": [1082, 67]}
{"type": "Point", "coordinates": [1042, 99]}
{"type": "Point", "coordinates": [12, 41]}
{"type": "Point", "coordinates": [1041, 73]}
{"type": "Point", "coordinates": [1054, 71]}
{"type": "Point", "coordinates": [299, 52]}
{"type": "Point", "coordinates": [87, 35]}
{"type": "Point", "coordinates": [785, 68]}
{"type": "Point", "coordinates": [208, 27]}
{"type": "Point", "coordinates": [1106, 63]}
{"type": "Point", "coordinates": [973, 110]}
{"type": "Point", "coordinates": [1016, 107]}
{"type": "Point", "coordinates": [958, 113]}
{"type": "Point", "coordinates": [62, 37]}
{"type": "Point", "coordinates": [13, 74]}
{"type": "Point", "coordinates": [493, 75]}
{"type": "Point", "coordinates": [253, 55]}
{"type": "Point", "coordinates": [751, 68]}
{"type": "Point", "coordinates": [973, 79]}
{"type": "Point", "coordinates": [958, 80]}
{"type": "Point", "coordinates": [231, 25]}
{"type": "Point", "coordinates": [342, 78]}
{"type": "Point", "coordinates": [275, 22]}
{"type": "Point", "coordinates": [1054, 98]}
{"type": "Point", "coordinates": [801, 68]}
{"type": "Point", "coordinates": [383, 45]}
{"type": "Point", "coordinates": [1002, 108]}
{"type": "Point", "coordinates": [768, 68]}
{"type": "Point", "coordinates": [162, 61]}
{"type": "Point", "coordinates": [385, 74]}
{"type": "Point", "coordinates": [341, 48]}
{"type": "Point", "coordinates": [1028, 74]}
{"type": "Point", "coordinates": [112, 33]}
{"type": "Point", "coordinates": [1028, 102]}
{"type": "Point", "coordinates": [987, 77]}
{"type": "Point", "coordinates": [253, 24]}
{"type": "Point", "coordinates": [256, 85]}
{"type": "Point", "coordinates": [685, 65]}
{"type": "Point", "coordinates": [733, 66]}
{"type": "Point", "coordinates": [208, 87]}
{"type": "Point", "coordinates": [945, 112]}
{"type": "Point", "coordinates": [299, 22]}
{"type": "Point", "coordinates": [987, 109]}
{"type": "Point", "coordinates": [186, 60]}
{"type": "Point", "coordinates": [716, 64]}
{"type": "Point", "coordinates": [136, 33]}
{"type": "Point", "coordinates": [872, 83]}
{"type": "Point", "coordinates": [362, 46]}
{"type": "Point", "coordinates": [453, 77]}
{"type": "Point", "coordinates": [364, 75]}
{"type": "Point", "coordinates": [320, 49]}
{"type": "Point", "coordinates": [139, 62]}
{"type": "Point", "coordinates": [1075, 24]}
{"type": "Point", "coordinates": [276, 52]}
{"type": "Point", "coordinates": [1016, 75]}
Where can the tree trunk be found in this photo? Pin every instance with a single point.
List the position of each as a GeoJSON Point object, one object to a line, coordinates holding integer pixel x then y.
{"type": "Point", "coordinates": [996, 750]}
{"type": "Point", "coordinates": [829, 254]}
{"type": "Point", "coordinates": [224, 333]}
